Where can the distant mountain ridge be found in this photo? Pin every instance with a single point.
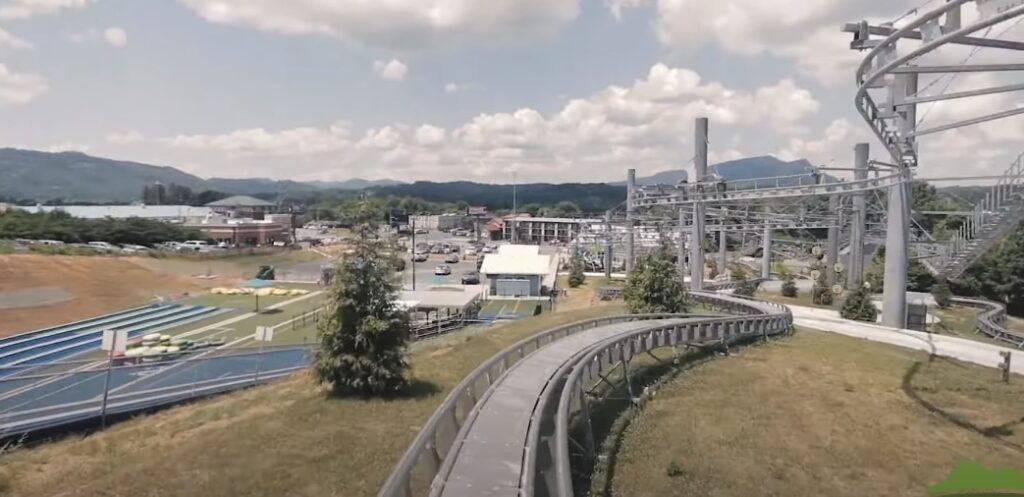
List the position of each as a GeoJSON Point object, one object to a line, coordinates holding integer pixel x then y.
{"type": "Point", "coordinates": [77, 177]}
{"type": "Point", "coordinates": [765, 166]}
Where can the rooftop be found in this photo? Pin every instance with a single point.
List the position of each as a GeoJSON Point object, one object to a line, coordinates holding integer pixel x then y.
{"type": "Point", "coordinates": [122, 211]}
{"type": "Point", "coordinates": [554, 219]}
{"type": "Point", "coordinates": [240, 201]}
{"type": "Point", "coordinates": [517, 259]}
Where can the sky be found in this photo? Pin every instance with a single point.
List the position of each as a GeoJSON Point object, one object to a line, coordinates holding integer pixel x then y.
{"type": "Point", "coordinates": [552, 90]}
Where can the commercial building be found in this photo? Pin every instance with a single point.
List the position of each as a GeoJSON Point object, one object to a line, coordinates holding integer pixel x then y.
{"type": "Point", "coordinates": [543, 229]}
{"type": "Point", "coordinates": [243, 206]}
{"type": "Point", "coordinates": [243, 232]}
{"type": "Point", "coordinates": [518, 271]}
{"type": "Point", "coordinates": [169, 213]}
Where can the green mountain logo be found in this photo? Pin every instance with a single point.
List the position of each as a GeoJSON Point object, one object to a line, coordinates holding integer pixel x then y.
{"type": "Point", "coordinates": [972, 479]}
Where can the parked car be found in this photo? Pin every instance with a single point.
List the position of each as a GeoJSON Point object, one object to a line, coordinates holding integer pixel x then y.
{"type": "Point", "coordinates": [133, 249]}
{"type": "Point", "coordinates": [419, 257]}
{"type": "Point", "coordinates": [486, 250]}
{"type": "Point", "coordinates": [452, 258]}
{"type": "Point", "coordinates": [194, 246]}
{"type": "Point", "coordinates": [471, 278]}
{"type": "Point", "coordinates": [51, 243]}
{"type": "Point", "coordinates": [422, 231]}
{"type": "Point", "coordinates": [470, 251]}
{"type": "Point", "coordinates": [443, 270]}
{"type": "Point", "coordinates": [103, 247]}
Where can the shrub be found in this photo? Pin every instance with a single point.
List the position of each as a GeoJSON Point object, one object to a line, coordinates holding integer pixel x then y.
{"type": "Point", "coordinates": [654, 285]}
{"type": "Point", "coordinates": [789, 287]}
{"type": "Point", "coordinates": [858, 306]}
{"type": "Point", "coordinates": [943, 295]}
{"type": "Point", "coordinates": [576, 276]}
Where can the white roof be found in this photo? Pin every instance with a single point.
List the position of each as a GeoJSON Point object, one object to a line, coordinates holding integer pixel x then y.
{"type": "Point", "coordinates": [554, 220]}
{"type": "Point", "coordinates": [437, 298]}
{"type": "Point", "coordinates": [517, 259]}
{"type": "Point", "coordinates": [123, 211]}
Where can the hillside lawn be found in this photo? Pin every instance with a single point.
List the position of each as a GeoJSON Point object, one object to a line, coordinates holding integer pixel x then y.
{"type": "Point", "coordinates": [819, 414]}
{"type": "Point", "coordinates": [283, 439]}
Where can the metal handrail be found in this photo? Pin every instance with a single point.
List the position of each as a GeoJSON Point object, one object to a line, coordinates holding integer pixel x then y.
{"type": "Point", "coordinates": [992, 319]}
{"type": "Point", "coordinates": [398, 482]}
{"type": "Point", "coordinates": [779, 321]}
{"type": "Point", "coordinates": [428, 444]}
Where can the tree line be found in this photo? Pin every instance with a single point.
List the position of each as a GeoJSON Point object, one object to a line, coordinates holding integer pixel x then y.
{"type": "Point", "coordinates": [62, 227]}
{"type": "Point", "coordinates": [175, 194]}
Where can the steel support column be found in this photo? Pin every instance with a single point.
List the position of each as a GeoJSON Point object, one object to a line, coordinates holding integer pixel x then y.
{"type": "Point", "coordinates": [894, 307]}
{"type": "Point", "coordinates": [681, 253]}
{"type": "Point", "coordinates": [723, 255]}
{"type": "Point", "coordinates": [608, 244]}
{"type": "Point", "coordinates": [766, 247]}
{"type": "Point", "coordinates": [700, 163]}
{"type": "Point", "coordinates": [832, 248]}
{"type": "Point", "coordinates": [630, 223]}
{"type": "Point", "coordinates": [857, 227]}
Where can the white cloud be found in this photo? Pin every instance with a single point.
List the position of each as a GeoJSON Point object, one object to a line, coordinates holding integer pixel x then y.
{"type": "Point", "coordinates": [804, 30]}
{"type": "Point", "coordinates": [113, 36]}
{"type": "Point", "coordinates": [8, 40]}
{"type": "Point", "coordinates": [400, 24]}
{"type": "Point", "coordinates": [68, 147]}
{"type": "Point", "coordinates": [429, 136]}
{"type": "Point", "coordinates": [297, 141]}
{"type": "Point", "coordinates": [132, 136]}
{"type": "Point", "coordinates": [116, 37]}
{"type": "Point", "coordinates": [451, 88]}
{"type": "Point", "coordinates": [647, 125]}
{"type": "Point", "coordinates": [393, 70]}
{"type": "Point", "coordinates": [24, 9]}
{"type": "Point", "coordinates": [20, 88]}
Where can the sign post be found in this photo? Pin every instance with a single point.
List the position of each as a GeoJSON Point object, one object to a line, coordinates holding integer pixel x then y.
{"type": "Point", "coordinates": [263, 334]}
{"type": "Point", "coordinates": [114, 341]}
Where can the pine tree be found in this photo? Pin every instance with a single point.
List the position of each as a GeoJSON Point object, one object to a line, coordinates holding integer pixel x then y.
{"type": "Point", "coordinates": [858, 306]}
{"type": "Point", "coordinates": [576, 276]}
{"type": "Point", "coordinates": [654, 285]}
{"type": "Point", "coordinates": [790, 287]}
{"type": "Point", "coordinates": [822, 294]}
{"type": "Point", "coordinates": [943, 295]}
{"type": "Point", "coordinates": [363, 336]}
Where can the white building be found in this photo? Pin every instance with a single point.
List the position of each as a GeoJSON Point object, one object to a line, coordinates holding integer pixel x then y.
{"type": "Point", "coordinates": [544, 229]}
{"type": "Point", "coordinates": [518, 271]}
{"type": "Point", "coordinates": [174, 213]}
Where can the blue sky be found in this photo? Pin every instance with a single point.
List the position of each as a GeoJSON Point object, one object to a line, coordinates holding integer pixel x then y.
{"type": "Point", "coordinates": [556, 90]}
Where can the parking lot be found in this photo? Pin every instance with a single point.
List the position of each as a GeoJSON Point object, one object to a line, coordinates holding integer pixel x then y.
{"type": "Point", "coordinates": [425, 276]}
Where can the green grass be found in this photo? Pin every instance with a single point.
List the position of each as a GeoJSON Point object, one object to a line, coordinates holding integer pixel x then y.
{"type": "Point", "coordinates": [803, 299]}
{"type": "Point", "coordinates": [819, 414]}
{"type": "Point", "coordinates": [282, 439]}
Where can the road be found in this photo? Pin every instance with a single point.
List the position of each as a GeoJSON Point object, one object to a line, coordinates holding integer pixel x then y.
{"type": "Point", "coordinates": [958, 348]}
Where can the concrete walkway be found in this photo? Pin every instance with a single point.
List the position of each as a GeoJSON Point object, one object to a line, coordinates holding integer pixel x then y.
{"type": "Point", "coordinates": [958, 348]}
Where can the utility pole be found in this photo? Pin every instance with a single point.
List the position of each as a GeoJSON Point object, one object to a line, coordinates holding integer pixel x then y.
{"type": "Point", "coordinates": [412, 224]}
{"type": "Point", "coordinates": [766, 247]}
{"type": "Point", "coordinates": [860, 164]}
{"type": "Point", "coordinates": [630, 223]}
{"type": "Point", "coordinates": [515, 210]}
{"type": "Point", "coordinates": [700, 163]}
{"type": "Point", "coordinates": [608, 245]}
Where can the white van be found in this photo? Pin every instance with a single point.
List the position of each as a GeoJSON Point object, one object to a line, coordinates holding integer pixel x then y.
{"type": "Point", "coordinates": [194, 246]}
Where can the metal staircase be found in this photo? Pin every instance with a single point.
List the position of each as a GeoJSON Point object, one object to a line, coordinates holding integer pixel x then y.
{"type": "Point", "coordinates": [991, 220]}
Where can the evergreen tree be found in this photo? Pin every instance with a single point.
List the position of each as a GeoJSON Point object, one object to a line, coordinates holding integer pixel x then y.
{"type": "Point", "coordinates": [744, 287]}
{"type": "Point", "coordinates": [943, 295]}
{"type": "Point", "coordinates": [789, 287]}
{"type": "Point", "coordinates": [363, 336]}
{"type": "Point", "coordinates": [576, 276]}
{"type": "Point", "coordinates": [858, 306]}
{"type": "Point", "coordinates": [822, 294]}
{"type": "Point", "coordinates": [654, 285]}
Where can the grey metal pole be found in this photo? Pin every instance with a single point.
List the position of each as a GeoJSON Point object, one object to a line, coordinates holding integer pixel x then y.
{"type": "Point", "coordinates": [106, 381]}
{"type": "Point", "coordinates": [630, 226]}
{"type": "Point", "coordinates": [608, 244]}
{"type": "Point", "coordinates": [897, 262]}
{"type": "Point", "coordinates": [723, 257]}
{"type": "Point", "coordinates": [681, 254]}
{"type": "Point", "coordinates": [259, 362]}
{"type": "Point", "coordinates": [412, 221]}
{"type": "Point", "coordinates": [832, 250]}
{"type": "Point", "coordinates": [766, 247]}
{"type": "Point", "coordinates": [700, 163]}
{"type": "Point", "coordinates": [860, 163]}
{"type": "Point", "coordinates": [894, 309]}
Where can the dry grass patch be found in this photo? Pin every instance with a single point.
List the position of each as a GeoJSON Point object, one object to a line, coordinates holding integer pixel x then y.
{"type": "Point", "coordinates": [820, 414]}
{"type": "Point", "coordinates": [282, 439]}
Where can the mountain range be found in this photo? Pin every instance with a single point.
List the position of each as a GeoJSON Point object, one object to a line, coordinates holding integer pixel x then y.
{"type": "Point", "coordinates": [77, 177]}
{"type": "Point", "coordinates": [29, 175]}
